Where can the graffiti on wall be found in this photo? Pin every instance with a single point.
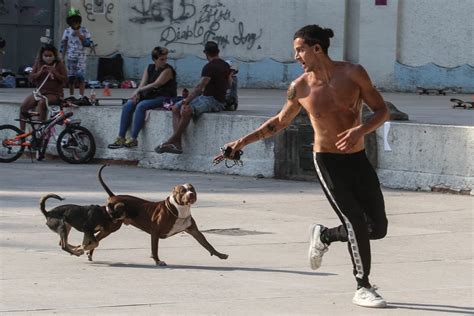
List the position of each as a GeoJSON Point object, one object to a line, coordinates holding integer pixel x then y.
{"type": "Point", "coordinates": [185, 23]}
{"type": "Point", "coordinates": [95, 7]}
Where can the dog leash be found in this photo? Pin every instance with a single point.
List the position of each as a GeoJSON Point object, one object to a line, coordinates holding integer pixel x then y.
{"type": "Point", "coordinates": [37, 90]}
{"type": "Point", "coordinates": [225, 156]}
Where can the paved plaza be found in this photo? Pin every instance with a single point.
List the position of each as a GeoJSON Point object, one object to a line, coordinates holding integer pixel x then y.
{"type": "Point", "coordinates": [423, 267]}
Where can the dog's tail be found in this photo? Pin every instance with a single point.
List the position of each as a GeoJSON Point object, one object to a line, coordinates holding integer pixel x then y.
{"type": "Point", "coordinates": [43, 202]}
{"type": "Point", "coordinates": [106, 188]}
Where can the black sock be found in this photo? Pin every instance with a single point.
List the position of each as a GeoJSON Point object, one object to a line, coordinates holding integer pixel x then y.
{"type": "Point", "coordinates": [324, 238]}
{"type": "Point", "coordinates": [363, 283]}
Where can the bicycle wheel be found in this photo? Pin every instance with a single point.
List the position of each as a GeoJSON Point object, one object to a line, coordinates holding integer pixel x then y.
{"type": "Point", "coordinates": [76, 144]}
{"type": "Point", "coordinates": [11, 148]}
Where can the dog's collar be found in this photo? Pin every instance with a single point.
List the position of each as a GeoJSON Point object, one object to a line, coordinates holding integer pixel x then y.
{"type": "Point", "coordinates": [184, 211]}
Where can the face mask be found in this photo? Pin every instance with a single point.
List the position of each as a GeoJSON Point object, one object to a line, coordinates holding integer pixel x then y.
{"type": "Point", "coordinates": [48, 60]}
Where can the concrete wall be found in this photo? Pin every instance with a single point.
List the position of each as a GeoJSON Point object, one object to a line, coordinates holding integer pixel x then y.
{"type": "Point", "coordinates": [422, 157]}
{"type": "Point", "coordinates": [391, 41]}
{"type": "Point", "coordinates": [403, 44]}
{"type": "Point", "coordinates": [426, 157]}
{"type": "Point", "coordinates": [248, 33]}
{"type": "Point", "coordinates": [435, 45]}
{"type": "Point", "coordinates": [436, 31]}
{"type": "Point", "coordinates": [201, 142]}
{"type": "Point", "coordinates": [377, 40]}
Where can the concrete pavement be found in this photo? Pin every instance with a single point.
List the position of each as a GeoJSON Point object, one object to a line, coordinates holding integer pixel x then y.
{"type": "Point", "coordinates": [425, 264]}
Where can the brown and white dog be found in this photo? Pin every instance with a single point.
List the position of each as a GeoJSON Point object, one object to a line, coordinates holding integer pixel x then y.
{"type": "Point", "coordinates": [160, 219]}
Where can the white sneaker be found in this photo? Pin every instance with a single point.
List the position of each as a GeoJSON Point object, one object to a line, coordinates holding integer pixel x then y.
{"type": "Point", "coordinates": [368, 298]}
{"type": "Point", "coordinates": [316, 248]}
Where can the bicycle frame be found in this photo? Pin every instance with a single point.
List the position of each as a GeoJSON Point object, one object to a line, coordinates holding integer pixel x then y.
{"type": "Point", "coordinates": [14, 141]}
{"type": "Point", "coordinates": [74, 143]}
{"type": "Point", "coordinates": [41, 131]}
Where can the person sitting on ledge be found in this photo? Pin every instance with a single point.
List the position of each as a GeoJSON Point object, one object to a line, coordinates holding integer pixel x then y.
{"type": "Point", "coordinates": [215, 80]}
{"type": "Point", "coordinates": [157, 86]}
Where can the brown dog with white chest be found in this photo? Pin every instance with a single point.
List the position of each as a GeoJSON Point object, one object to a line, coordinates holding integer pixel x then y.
{"type": "Point", "coordinates": [160, 219]}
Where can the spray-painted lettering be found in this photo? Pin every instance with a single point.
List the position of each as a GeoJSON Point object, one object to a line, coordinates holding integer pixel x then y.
{"type": "Point", "coordinates": [199, 26]}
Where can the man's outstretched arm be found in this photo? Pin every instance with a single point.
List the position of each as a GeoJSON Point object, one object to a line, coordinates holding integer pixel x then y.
{"type": "Point", "coordinates": [273, 125]}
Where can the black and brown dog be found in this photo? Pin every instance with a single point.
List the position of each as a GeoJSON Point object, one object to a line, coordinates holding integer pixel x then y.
{"type": "Point", "coordinates": [159, 219]}
{"type": "Point", "coordinates": [88, 219]}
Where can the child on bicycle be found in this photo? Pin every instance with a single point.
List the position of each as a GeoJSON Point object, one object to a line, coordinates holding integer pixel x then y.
{"type": "Point", "coordinates": [75, 39]}
{"type": "Point", "coordinates": [48, 68]}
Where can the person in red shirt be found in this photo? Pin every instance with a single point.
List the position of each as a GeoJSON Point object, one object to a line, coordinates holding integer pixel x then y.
{"type": "Point", "coordinates": [47, 63]}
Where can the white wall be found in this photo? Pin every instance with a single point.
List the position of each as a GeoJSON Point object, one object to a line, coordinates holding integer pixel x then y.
{"type": "Point", "coordinates": [246, 30]}
{"type": "Point", "coordinates": [378, 41]}
{"type": "Point", "coordinates": [385, 39]}
{"type": "Point", "coordinates": [436, 31]}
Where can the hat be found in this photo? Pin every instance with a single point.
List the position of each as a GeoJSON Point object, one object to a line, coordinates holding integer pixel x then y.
{"type": "Point", "coordinates": [73, 14]}
{"type": "Point", "coordinates": [211, 48]}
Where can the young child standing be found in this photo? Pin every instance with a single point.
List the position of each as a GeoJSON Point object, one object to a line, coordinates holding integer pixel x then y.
{"type": "Point", "coordinates": [73, 43]}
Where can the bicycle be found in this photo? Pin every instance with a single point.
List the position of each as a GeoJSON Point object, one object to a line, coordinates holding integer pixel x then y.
{"type": "Point", "coordinates": [75, 144]}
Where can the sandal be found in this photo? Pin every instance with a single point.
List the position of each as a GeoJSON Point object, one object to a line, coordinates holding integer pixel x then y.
{"type": "Point", "coordinates": [168, 148]}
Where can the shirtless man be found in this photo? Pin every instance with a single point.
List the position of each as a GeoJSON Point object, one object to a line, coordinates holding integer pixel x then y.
{"type": "Point", "coordinates": [332, 92]}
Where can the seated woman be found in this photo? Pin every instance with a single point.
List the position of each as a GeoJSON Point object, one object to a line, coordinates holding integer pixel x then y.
{"type": "Point", "coordinates": [48, 62]}
{"type": "Point", "coordinates": [157, 86]}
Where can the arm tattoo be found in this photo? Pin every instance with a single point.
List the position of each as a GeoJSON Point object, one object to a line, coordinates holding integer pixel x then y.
{"type": "Point", "coordinates": [271, 128]}
{"type": "Point", "coordinates": [291, 93]}
{"type": "Point", "coordinates": [267, 131]}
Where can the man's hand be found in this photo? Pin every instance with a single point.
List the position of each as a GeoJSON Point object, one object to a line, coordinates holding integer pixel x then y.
{"type": "Point", "coordinates": [236, 146]}
{"type": "Point", "coordinates": [349, 138]}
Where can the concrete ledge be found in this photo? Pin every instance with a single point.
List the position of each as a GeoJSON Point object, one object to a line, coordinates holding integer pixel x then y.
{"type": "Point", "coordinates": [422, 157]}
{"type": "Point", "coordinates": [201, 142]}
{"type": "Point", "coordinates": [427, 157]}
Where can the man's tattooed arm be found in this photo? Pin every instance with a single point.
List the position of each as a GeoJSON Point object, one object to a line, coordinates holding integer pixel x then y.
{"type": "Point", "coordinates": [278, 122]}
{"type": "Point", "coordinates": [291, 93]}
{"type": "Point", "coordinates": [266, 130]}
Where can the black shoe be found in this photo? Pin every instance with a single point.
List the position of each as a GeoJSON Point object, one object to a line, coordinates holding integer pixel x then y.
{"type": "Point", "coordinates": [71, 99]}
{"type": "Point", "coordinates": [84, 101]}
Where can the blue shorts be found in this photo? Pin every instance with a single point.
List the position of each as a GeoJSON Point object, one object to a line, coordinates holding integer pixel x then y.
{"type": "Point", "coordinates": [76, 68]}
{"type": "Point", "coordinates": [203, 104]}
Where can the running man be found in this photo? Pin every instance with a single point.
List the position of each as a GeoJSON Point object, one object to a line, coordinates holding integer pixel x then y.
{"type": "Point", "coordinates": [332, 93]}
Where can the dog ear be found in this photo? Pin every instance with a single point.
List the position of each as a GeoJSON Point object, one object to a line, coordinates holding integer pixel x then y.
{"type": "Point", "coordinates": [175, 193]}
{"type": "Point", "coordinates": [119, 207]}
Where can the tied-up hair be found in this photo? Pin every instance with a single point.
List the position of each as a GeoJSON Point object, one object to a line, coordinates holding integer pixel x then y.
{"type": "Point", "coordinates": [158, 51]}
{"type": "Point", "coordinates": [314, 34]}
